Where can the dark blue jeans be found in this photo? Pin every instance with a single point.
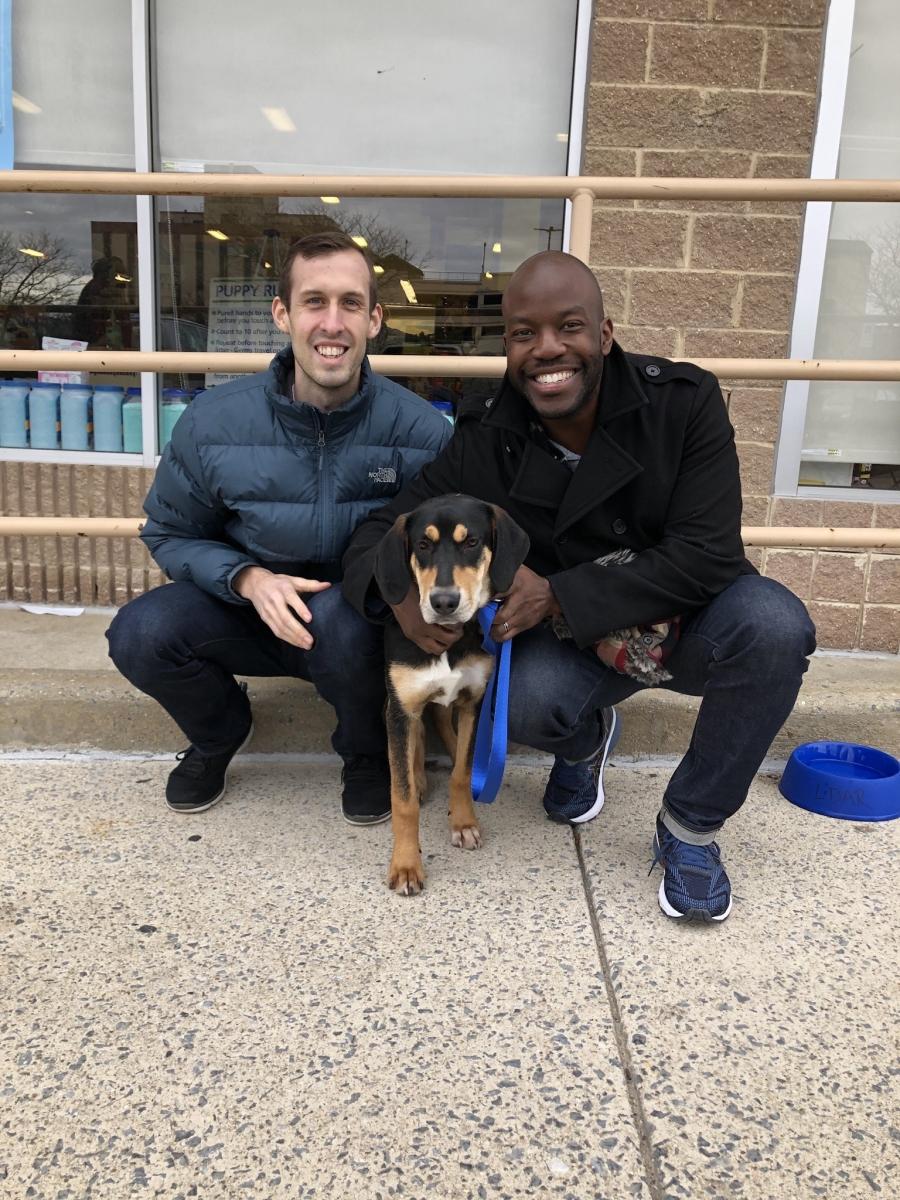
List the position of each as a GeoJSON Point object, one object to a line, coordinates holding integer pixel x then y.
{"type": "Point", "coordinates": [184, 647]}
{"type": "Point", "coordinates": [745, 654]}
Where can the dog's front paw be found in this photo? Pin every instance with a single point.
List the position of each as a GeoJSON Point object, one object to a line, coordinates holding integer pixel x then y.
{"type": "Point", "coordinates": [406, 877]}
{"type": "Point", "coordinates": [466, 837]}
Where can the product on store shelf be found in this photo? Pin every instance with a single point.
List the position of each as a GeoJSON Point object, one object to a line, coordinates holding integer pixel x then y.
{"type": "Point", "coordinates": [75, 416]}
{"type": "Point", "coordinates": [108, 404]}
{"type": "Point", "coordinates": [132, 418]}
{"type": "Point", "coordinates": [174, 402]}
{"type": "Point", "coordinates": [14, 412]}
{"type": "Point", "coordinates": [43, 415]}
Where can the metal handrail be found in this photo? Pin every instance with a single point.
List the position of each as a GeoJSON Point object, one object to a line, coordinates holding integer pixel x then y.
{"type": "Point", "coordinates": [454, 365]}
{"type": "Point", "coordinates": [830, 537]}
{"type": "Point", "coordinates": [647, 187]}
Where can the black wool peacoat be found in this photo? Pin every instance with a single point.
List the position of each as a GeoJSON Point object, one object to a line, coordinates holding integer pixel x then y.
{"type": "Point", "coordinates": [659, 478]}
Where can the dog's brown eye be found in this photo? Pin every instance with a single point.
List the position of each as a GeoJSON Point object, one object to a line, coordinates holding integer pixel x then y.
{"type": "Point", "coordinates": [424, 545]}
{"type": "Point", "coordinates": [472, 542]}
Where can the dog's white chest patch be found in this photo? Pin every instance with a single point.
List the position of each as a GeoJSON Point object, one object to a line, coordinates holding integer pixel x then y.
{"type": "Point", "coordinates": [442, 683]}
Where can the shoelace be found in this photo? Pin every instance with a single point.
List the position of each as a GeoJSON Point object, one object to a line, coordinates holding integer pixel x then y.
{"type": "Point", "coordinates": [193, 764]}
{"type": "Point", "coordinates": [688, 854]}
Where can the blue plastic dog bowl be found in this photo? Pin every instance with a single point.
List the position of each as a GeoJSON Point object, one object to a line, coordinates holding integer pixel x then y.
{"type": "Point", "coordinates": [840, 779]}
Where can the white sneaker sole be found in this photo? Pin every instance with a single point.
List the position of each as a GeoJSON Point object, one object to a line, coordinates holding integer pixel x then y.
{"type": "Point", "coordinates": [680, 916]}
{"type": "Point", "coordinates": [601, 798]}
{"type": "Point", "coordinates": [190, 812]}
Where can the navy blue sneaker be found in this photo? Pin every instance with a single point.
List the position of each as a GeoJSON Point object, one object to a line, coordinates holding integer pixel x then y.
{"type": "Point", "coordinates": [574, 792]}
{"type": "Point", "coordinates": [694, 886]}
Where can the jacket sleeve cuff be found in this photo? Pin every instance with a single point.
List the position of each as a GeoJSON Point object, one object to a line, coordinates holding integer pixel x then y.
{"type": "Point", "coordinates": [232, 596]}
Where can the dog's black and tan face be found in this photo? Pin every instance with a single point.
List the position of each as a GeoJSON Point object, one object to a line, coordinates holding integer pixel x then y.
{"type": "Point", "coordinates": [458, 551]}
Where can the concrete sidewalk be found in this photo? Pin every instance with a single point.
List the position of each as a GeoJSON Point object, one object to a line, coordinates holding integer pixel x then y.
{"type": "Point", "coordinates": [234, 1004]}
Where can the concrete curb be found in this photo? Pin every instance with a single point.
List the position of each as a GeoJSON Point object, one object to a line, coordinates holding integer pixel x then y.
{"type": "Point", "coordinates": [60, 691]}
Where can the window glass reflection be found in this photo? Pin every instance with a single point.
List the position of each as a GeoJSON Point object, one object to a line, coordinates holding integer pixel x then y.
{"type": "Point", "coordinates": [852, 432]}
{"type": "Point", "coordinates": [68, 281]}
{"type": "Point", "coordinates": [442, 266]}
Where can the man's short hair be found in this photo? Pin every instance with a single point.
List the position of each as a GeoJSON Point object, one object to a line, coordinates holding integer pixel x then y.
{"type": "Point", "coordinates": [317, 245]}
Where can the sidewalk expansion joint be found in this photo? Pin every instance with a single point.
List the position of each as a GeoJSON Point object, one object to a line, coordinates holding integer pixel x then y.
{"type": "Point", "coordinates": [652, 1179]}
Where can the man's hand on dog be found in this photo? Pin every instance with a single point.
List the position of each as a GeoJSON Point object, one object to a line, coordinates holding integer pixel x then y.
{"type": "Point", "coordinates": [278, 600]}
{"type": "Point", "coordinates": [528, 602]}
{"type": "Point", "coordinates": [433, 639]}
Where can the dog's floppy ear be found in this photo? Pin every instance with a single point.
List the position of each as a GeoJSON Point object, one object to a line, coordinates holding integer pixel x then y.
{"type": "Point", "coordinates": [510, 547]}
{"type": "Point", "coordinates": [392, 563]}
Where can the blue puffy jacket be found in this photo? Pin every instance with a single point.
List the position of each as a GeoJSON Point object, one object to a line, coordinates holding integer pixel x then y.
{"type": "Point", "coordinates": [250, 478]}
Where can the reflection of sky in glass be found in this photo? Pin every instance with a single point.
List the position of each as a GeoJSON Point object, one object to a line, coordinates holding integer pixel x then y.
{"type": "Point", "coordinates": [447, 237]}
{"type": "Point", "coordinates": [453, 238]}
{"type": "Point", "coordinates": [68, 220]}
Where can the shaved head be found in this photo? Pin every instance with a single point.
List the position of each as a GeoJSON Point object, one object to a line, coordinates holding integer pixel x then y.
{"type": "Point", "coordinates": [551, 265]}
{"type": "Point", "coordinates": [557, 338]}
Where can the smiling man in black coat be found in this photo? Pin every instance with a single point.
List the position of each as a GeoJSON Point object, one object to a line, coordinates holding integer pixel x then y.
{"type": "Point", "coordinates": [622, 470]}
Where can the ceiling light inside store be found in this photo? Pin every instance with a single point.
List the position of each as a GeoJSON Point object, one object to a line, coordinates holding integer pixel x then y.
{"type": "Point", "coordinates": [122, 278]}
{"type": "Point", "coordinates": [279, 119]}
{"type": "Point", "coordinates": [378, 270]}
{"type": "Point", "coordinates": [360, 241]}
{"type": "Point", "coordinates": [25, 106]}
{"type": "Point", "coordinates": [496, 248]}
{"type": "Point", "coordinates": [330, 199]}
{"type": "Point", "coordinates": [268, 266]}
{"type": "Point", "coordinates": [409, 291]}
{"type": "Point", "coordinates": [218, 235]}
{"type": "Point", "coordinates": [32, 253]}
{"type": "Point", "coordinates": [488, 275]}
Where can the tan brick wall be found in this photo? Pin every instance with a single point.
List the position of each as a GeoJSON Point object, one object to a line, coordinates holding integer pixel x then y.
{"type": "Point", "coordinates": [72, 570]}
{"type": "Point", "coordinates": [725, 88]}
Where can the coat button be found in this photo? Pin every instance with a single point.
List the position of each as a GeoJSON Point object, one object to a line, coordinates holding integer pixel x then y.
{"type": "Point", "coordinates": [652, 370]}
{"type": "Point", "coordinates": [619, 526]}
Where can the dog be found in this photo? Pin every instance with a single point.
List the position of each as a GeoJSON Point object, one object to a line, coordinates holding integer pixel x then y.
{"type": "Point", "coordinates": [458, 552]}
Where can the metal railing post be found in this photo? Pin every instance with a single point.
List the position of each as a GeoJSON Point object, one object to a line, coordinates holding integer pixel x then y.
{"type": "Point", "coordinates": [581, 224]}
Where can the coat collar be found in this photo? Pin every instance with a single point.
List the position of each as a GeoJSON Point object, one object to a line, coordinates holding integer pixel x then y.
{"type": "Point", "coordinates": [605, 466]}
{"type": "Point", "coordinates": [303, 418]}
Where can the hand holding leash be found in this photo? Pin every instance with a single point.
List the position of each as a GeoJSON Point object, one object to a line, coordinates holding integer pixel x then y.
{"type": "Point", "coordinates": [525, 604]}
{"type": "Point", "coordinates": [277, 599]}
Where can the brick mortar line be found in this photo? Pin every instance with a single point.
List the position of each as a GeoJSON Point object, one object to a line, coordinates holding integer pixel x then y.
{"type": "Point", "coordinates": [610, 201]}
{"type": "Point", "coordinates": [655, 85]}
{"type": "Point", "coordinates": [753, 155]}
{"type": "Point", "coordinates": [635, 1101]}
{"type": "Point", "coordinates": [738, 274]}
{"type": "Point", "coordinates": [707, 24]}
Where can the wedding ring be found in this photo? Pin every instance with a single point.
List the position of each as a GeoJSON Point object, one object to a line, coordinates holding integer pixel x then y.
{"type": "Point", "coordinates": [506, 627]}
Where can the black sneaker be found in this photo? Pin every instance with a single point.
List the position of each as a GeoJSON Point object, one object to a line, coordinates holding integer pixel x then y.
{"type": "Point", "coordinates": [199, 780]}
{"type": "Point", "coordinates": [366, 798]}
{"type": "Point", "coordinates": [574, 792]}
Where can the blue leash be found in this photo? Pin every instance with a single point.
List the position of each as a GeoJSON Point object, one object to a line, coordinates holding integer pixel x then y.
{"type": "Point", "coordinates": [490, 739]}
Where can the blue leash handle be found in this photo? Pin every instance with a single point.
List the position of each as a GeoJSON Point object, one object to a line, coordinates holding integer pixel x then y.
{"type": "Point", "coordinates": [490, 739]}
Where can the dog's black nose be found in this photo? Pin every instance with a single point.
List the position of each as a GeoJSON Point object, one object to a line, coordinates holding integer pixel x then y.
{"type": "Point", "coordinates": [444, 601]}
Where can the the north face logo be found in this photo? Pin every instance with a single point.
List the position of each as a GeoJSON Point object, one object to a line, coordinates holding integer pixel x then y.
{"type": "Point", "coordinates": [383, 475]}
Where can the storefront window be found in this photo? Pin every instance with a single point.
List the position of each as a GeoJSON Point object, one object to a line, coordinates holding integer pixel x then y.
{"type": "Point", "coordinates": [69, 264]}
{"type": "Point", "coordinates": [852, 431]}
{"type": "Point", "coordinates": [382, 100]}
{"type": "Point", "coordinates": [71, 77]}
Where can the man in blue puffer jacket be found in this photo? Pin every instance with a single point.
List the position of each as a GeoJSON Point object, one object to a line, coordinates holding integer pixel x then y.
{"type": "Point", "coordinates": [252, 507]}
